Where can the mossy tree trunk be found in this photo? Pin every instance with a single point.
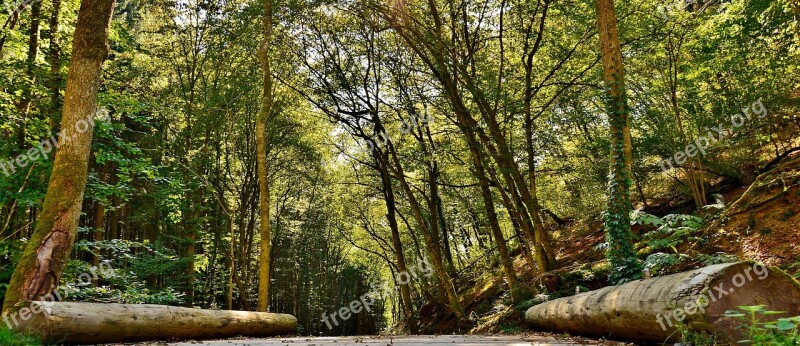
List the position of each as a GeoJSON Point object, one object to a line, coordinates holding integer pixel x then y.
{"type": "Point", "coordinates": [621, 254]}
{"type": "Point", "coordinates": [46, 253]}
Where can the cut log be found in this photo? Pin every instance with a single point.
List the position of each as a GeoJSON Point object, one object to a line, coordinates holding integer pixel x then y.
{"type": "Point", "coordinates": [90, 323]}
{"type": "Point", "coordinates": [651, 310]}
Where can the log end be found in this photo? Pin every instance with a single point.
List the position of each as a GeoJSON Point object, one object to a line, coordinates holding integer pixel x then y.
{"type": "Point", "coordinates": [747, 284]}
{"type": "Point", "coordinates": [652, 309]}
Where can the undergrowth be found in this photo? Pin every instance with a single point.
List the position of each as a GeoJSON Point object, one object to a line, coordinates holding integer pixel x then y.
{"type": "Point", "coordinates": [10, 338]}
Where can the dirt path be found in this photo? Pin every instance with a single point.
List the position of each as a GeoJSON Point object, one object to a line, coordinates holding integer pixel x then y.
{"type": "Point", "coordinates": [453, 340]}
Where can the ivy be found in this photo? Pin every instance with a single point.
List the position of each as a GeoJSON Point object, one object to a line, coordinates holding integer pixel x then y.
{"type": "Point", "coordinates": [620, 252]}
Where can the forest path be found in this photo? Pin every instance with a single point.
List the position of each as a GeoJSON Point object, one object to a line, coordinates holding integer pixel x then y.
{"type": "Point", "coordinates": [454, 340]}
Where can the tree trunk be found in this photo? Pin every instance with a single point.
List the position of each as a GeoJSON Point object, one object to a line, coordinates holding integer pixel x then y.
{"type": "Point", "coordinates": [231, 261]}
{"type": "Point", "coordinates": [261, 150]}
{"type": "Point", "coordinates": [645, 310]}
{"type": "Point", "coordinates": [191, 239]}
{"type": "Point", "coordinates": [621, 254]}
{"type": "Point", "coordinates": [430, 244]}
{"type": "Point", "coordinates": [55, 65]}
{"type": "Point", "coordinates": [437, 217]}
{"type": "Point", "coordinates": [494, 224]}
{"type": "Point", "coordinates": [389, 197]}
{"type": "Point", "coordinates": [91, 323]}
{"type": "Point", "coordinates": [511, 173]}
{"type": "Point", "coordinates": [99, 230]}
{"type": "Point", "coordinates": [11, 22]}
{"type": "Point", "coordinates": [23, 107]}
{"type": "Point", "coordinates": [695, 179]}
{"type": "Point", "coordinates": [47, 250]}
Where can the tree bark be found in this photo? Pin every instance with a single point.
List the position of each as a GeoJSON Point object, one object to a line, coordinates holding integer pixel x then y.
{"type": "Point", "coordinates": [644, 310]}
{"type": "Point", "coordinates": [261, 150]}
{"type": "Point", "coordinates": [99, 230]}
{"type": "Point", "coordinates": [494, 225]}
{"type": "Point", "coordinates": [231, 261]}
{"type": "Point", "coordinates": [91, 323]}
{"type": "Point", "coordinates": [397, 244]}
{"type": "Point", "coordinates": [696, 183]}
{"type": "Point", "coordinates": [621, 254]}
{"type": "Point", "coordinates": [11, 23]}
{"type": "Point", "coordinates": [55, 65]}
{"type": "Point", "coordinates": [47, 251]}
{"type": "Point", "coordinates": [430, 245]}
{"type": "Point", "coordinates": [437, 217]}
{"type": "Point", "coordinates": [430, 46]}
{"type": "Point", "coordinates": [23, 107]}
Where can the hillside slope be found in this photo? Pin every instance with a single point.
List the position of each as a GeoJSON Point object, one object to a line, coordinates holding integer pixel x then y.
{"type": "Point", "coordinates": [760, 222]}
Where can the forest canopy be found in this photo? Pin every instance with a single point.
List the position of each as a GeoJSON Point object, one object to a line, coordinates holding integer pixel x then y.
{"type": "Point", "coordinates": [292, 156]}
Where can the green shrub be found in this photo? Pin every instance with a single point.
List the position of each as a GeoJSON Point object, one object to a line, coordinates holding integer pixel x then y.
{"type": "Point", "coordinates": [661, 263]}
{"type": "Point", "coordinates": [123, 277]}
{"type": "Point", "coordinates": [778, 332]}
{"type": "Point", "coordinates": [671, 231]}
{"type": "Point", "coordinates": [693, 338]}
{"type": "Point", "coordinates": [10, 338]}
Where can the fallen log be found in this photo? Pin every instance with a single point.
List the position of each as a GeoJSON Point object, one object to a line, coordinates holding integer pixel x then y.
{"type": "Point", "coordinates": [652, 309]}
{"type": "Point", "coordinates": [90, 323]}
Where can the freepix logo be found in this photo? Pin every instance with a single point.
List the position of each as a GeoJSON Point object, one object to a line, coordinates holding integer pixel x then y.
{"type": "Point", "coordinates": [698, 303]}
{"type": "Point", "coordinates": [60, 293]}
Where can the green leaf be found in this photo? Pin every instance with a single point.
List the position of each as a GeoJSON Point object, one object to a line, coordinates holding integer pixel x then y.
{"type": "Point", "coordinates": [785, 324]}
{"type": "Point", "coordinates": [733, 313]}
{"type": "Point", "coordinates": [752, 308]}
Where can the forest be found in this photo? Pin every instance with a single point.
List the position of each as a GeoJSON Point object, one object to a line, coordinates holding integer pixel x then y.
{"type": "Point", "coordinates": [400, 167]}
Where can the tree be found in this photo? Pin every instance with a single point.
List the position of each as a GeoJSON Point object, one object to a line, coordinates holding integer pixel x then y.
{"type": "Point", "coordinates": [46, 253]}
{"type": "Point", "coordinates": [54, 58]}
{"type": "Point", "coordinates": [621, 254]}
{"type": "Point", "coordinates": [33, 50]}
{"type": "Point", "coordinates": [261, 149]}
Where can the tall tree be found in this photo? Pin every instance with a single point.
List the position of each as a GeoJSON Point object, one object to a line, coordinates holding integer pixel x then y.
{"type": "Point", "coordinates": [621, 254]}
{"type": "Point", "coordinates": [46, 253]}
{"type": "Point", "coordinates": [261, 151]}
{"type": "Point", "coordinates": [27, 91]}
{"type": "Point", "coordinates": [54, 57]}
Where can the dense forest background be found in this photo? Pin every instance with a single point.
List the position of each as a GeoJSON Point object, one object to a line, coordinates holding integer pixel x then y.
{"type": "Point", "coordinates": [467, 135]}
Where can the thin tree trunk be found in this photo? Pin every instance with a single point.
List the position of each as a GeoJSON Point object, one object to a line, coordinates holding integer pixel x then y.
{"type": "Point", "coordinates": [55, 65]}
{"type": "Point", "coordinates": [97, 235]}
{"type": "Point", "coordinates": [11, 23]}
{"type": "Point", "coordinates": [436, 256]}
{"type": "Point", "coordinates": [499, 239]}
{"type": "Point", "coordinates": [437, 217]}
{"type": "Point", "coordinates": [23, 107]}
{"type": "Point", "coordinates": [45, 256]}
{"type": "Point", "coordinates": [261, 150]}
{"type": "Point", "coordinates": [695, 180]}
{"type": "Point", "coordinates": [494, 224]}
{"type": "Point", "coordinates": [391, 216]}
